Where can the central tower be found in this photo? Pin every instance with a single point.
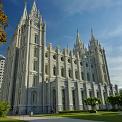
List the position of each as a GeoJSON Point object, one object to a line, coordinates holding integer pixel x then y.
{"type": "Point", "coordinates": [30, 75]}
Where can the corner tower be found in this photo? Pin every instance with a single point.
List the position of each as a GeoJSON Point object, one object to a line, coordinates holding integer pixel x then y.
{"type": "Point", "coordinates": [99, 58]}
{"type": "Point", "coordinates": [30, 74]}
{"type": "Point", "coordinates": [79, 46]}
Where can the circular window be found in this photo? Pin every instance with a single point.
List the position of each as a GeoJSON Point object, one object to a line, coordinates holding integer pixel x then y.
{"type": "Point", "coordinates": [54, 57]}
{"type": "Point", "coordinates": [62, 58]}
{"type": "Point", "coordinates": [69, 60]}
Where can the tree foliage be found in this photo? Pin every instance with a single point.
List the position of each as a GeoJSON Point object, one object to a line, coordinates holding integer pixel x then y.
{"type": "Point", "coordinates": [115, 100]}
{"type": "Point", "coordinates": [93, 101]}
{"type": "Point", "coordinates": [4, 108]}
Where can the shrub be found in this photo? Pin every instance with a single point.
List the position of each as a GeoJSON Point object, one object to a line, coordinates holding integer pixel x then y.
{"type": "Point", "coordinates": [75, 111]}
{"type": "Point", "coordinates": [4, 108]}
{"type": "Point", "coordinates": [93, 102]}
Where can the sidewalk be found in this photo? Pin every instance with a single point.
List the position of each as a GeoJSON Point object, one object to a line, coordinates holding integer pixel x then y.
{"type": "Point", "coordinates": [49, 119]}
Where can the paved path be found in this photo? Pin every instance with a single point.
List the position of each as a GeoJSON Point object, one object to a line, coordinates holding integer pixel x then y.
{"type": "Point", "coordinates": [48, 119]}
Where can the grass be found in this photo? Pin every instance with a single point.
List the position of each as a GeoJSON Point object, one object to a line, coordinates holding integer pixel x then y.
{"type": "Point", "coordinates": [5, 119]}
{"type": "Point", "coordinates": [100, 116]}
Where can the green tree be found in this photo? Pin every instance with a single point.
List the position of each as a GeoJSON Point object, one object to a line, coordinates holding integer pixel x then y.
{"type": "Point", "coordinates": [4, 108]}
{"type": "Point", "coordinates": [93, 101]}
{"type": "Point", "coordinates": [115, 100]}
{"type": "Point", "coordinates": [120, 100]}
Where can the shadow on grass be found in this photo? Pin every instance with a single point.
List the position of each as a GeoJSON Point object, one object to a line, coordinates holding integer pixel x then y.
{"type": "Point", "coordinates": [10, 120]}
{"type": "Point", "coordinates": [107, 118]}
{"type": "Point", "coordinates": [99, 116]}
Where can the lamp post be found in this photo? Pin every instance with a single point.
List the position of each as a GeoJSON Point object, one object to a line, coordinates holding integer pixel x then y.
{"type": "Point", "coordinates": [3, 24]}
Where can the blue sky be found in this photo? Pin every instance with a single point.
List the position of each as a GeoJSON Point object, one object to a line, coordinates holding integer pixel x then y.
{"type": "Point", "coordinates": [63, 17]}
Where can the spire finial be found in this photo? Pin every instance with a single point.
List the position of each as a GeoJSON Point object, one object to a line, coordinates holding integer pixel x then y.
{"type": "Point", "coordinates": [77, 37]}
{"type": "Point", "coordinates": [92, 34]}
{"type": "Point", "coordinates": [77, 31]}
{"type": "Point", "coordinates": [34, 6]}
{"type": "Point", "coordinates": [24, 16]}
{"type": "Point", "coordinates": [25, 8]}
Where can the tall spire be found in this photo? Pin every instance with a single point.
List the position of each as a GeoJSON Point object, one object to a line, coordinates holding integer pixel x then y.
{"type": "Point", "coordinates": [25, 11]}
{"type": "Point", "coordinates": [34, 7]}
{"type": "Point", "coordinates": [78, 40]}
{"type": "Point", "coordinates": [92, 35]}
{"type": "Point", "coordinates": [24, 16]}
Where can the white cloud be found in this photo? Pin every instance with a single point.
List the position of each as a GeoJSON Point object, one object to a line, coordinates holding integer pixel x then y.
{"type": "Point", "coordinates": [115, 69]}
{"type": "Point", "coordinates": [77, 6]}
{"type": "Point", "coordinates": [111, 32]}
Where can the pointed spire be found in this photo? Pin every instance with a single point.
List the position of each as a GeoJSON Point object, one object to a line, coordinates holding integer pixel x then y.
{"type": "Point", "coordinates": [34, 7]}
{"type": "Point", "coordinates": [24, 16]}
{"type": "Point", "coordinates": [78, 40]}
{"type": "Point", "coordinates": [25, 12]}
{"type": "Point", "coordinates": [92, 35]}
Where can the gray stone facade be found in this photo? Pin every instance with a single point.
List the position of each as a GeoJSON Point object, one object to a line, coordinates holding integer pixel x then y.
{"type": "Point", "coordinates": [42, 79]}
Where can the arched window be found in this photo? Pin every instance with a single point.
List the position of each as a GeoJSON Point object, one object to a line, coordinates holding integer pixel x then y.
{"type": "Point", "coordinates": [34, 98]}
{"type": "Point", "coordinates": [54, 70]}
{"type": "Point", "coordinates": [62, 72]}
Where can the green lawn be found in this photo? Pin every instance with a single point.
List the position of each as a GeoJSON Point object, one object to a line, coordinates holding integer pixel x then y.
{"type": "Point", "coordinates": [100, 116]}
{"type": "Point", "coordinates": [9, 120]}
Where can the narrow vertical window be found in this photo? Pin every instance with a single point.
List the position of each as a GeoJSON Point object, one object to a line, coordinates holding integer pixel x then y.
{"type": "Point", "coordinates": [70, 73]}
{"type": "Point", "coordinates": [34, 98]}
{"type": "Point", "coordinates": [34, 81]}
{"type": "Point", "coordinates": [73, 99]}
{"type": "Point", "coordinates": [36, 39]}
{"type": "Point", "coordinates": [35, 52]}
{"type": "Point", "coordinates": [35, 66]}
{"type": "Point", "coordinates": [54, 70]}
{"type": "Point", "coordinates": [88, 77]}
{"type": "Point", "coordinates": [76, 74]}
{"type": "Point", "coordinates": [46, 69]}
{"type": "Point", "coordinates": [62, 72]}
{"type": "Point", "coordinates": [63, 99]}
{"type": "Point", "coordinates": [93, 77]}
{"type": "Point", "coordinates": [90, 93]}
{"type": "Point", "coordinates": [82, 75]}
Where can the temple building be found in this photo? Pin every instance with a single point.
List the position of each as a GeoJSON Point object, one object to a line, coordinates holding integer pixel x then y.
{"type": "Point", "coordinates": [42, 79]}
